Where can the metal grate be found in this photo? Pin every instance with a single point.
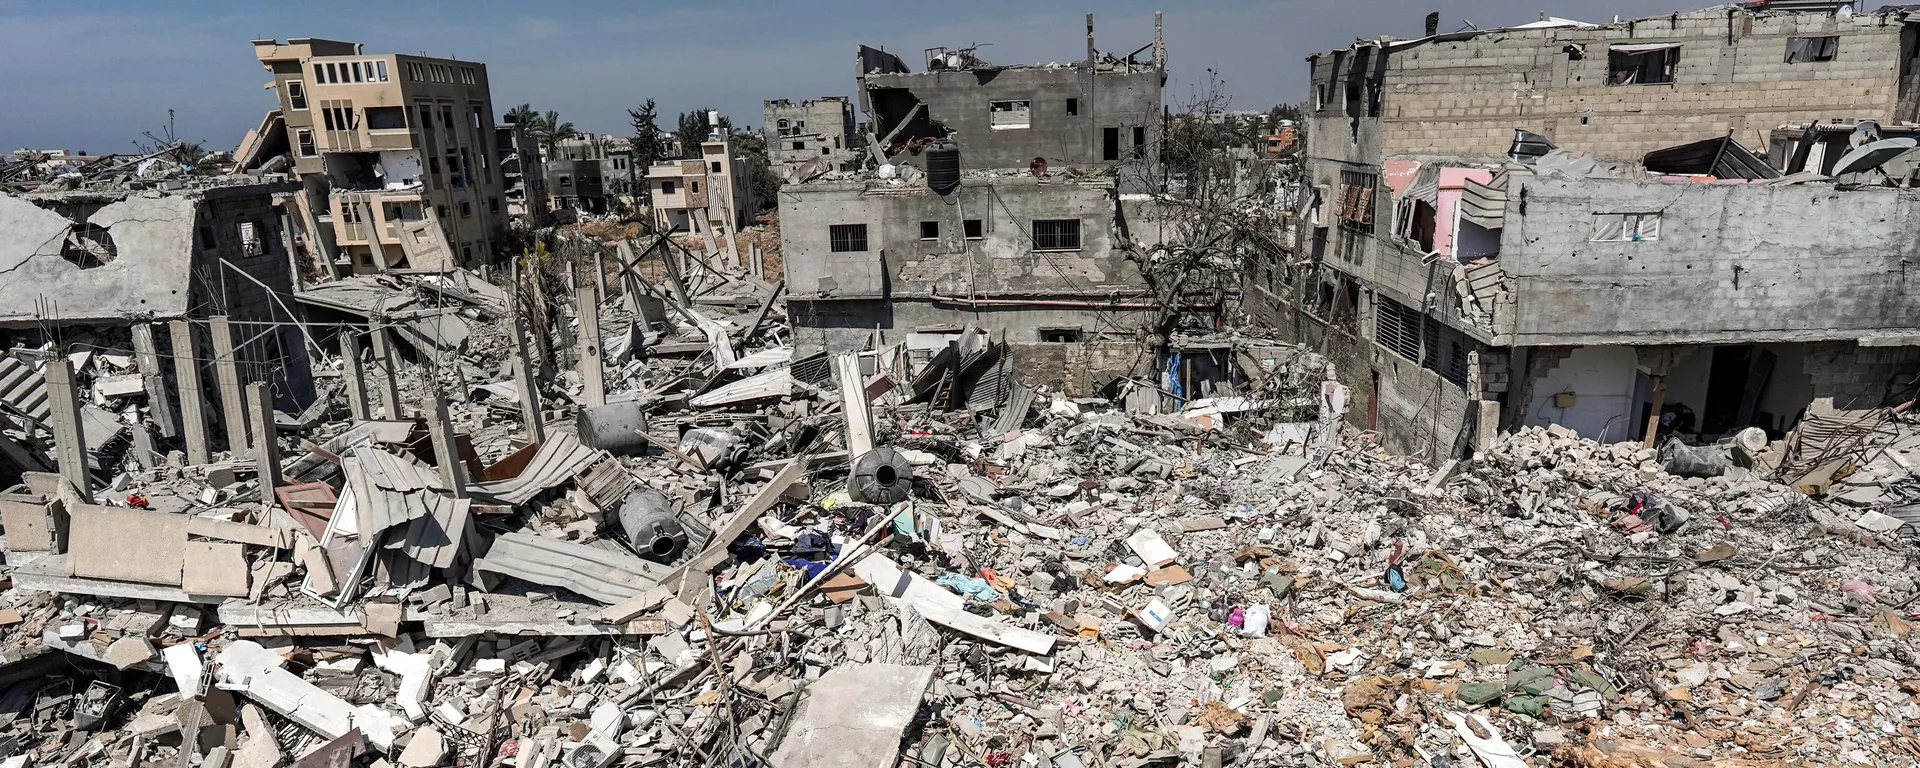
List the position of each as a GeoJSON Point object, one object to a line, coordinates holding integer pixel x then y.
{"type": "Point", "coordinates": [847, 238]}
{"type": "Point", "coordinates": [1056, 234]}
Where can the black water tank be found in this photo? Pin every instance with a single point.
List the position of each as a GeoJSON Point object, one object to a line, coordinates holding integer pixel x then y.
{"type": "Point", "coordinates": [943, 167]}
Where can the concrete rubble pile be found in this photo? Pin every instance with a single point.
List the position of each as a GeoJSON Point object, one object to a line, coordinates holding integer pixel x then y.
{"type": "Point", "coordinates": [690, 546]}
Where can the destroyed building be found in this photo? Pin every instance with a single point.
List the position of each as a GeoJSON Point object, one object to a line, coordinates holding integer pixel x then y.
{"type": "Point", "coordinates": [523, 179]}
{"type": "Point", "coordinates": [1003, 218]}
{"type": "Point", "coordinates": [1577, 224]}
{"type": "Point", "coordinates": [610, 509]}
{"type": "Point", "coordinates": [1103, 111]}
{"type": "Point", "coordinates": [396, 154]}
{"type": "Point", "coordinates": [814, 128]}
{"type": "Point", "coordinates": [115, 277]}
{"type": "Point", "coordinates": [592, 174]}
{"type": "Point", "coordinates": [712, 192]}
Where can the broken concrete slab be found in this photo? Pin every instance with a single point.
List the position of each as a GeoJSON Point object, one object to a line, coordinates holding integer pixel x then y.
{"type": "Point", "coordinates": [216, 568]}
{"type": "Point", "coordinates": [854, 717]}
{"type": "Point", "coordinates": [100, 545]}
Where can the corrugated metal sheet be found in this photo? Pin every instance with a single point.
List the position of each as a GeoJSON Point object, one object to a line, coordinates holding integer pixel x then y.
{"type": "Point", "coordinates": [560, 459]}
{"type": "Point", "coordinates": [1721, 158]}
{"type": "Point", "coordinates": [595, 573]}
{"type": "Point", "coordinates": [1425, 186]}
{"type": "Point", "coordinates": [760, 386]}
{"type": "Point", "coordinates": [1486, 204]}
{"type": "Point", "coordinates": [414, 525]}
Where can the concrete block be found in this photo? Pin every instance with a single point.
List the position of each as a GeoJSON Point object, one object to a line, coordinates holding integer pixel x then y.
{"type": "Point", "coordinates": [215, 568]}
{"type": "Point", "coordinates": [101, 536]}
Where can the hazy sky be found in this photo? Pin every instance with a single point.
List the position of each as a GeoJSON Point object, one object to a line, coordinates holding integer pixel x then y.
{"type": "Point", "coordinates": [93, 75]}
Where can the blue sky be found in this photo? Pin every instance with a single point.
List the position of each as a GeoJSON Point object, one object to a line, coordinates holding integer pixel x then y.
{"type": "Point", "coordinates": [93, 75]}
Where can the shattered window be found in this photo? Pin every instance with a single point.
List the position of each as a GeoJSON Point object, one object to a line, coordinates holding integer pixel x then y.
{"type": "Point", "coordinates": [250, 244]}
{"type": "Point", "coordinates": [1355, 206]}
{"type": "Point", "coordinates": [1625, 227]}
{"type": "Point", "coordinates": [847, 238]}
{"type": "Point", "coordinates": [1010, 114]}
{"type": "Point", "coordinates": [1642, 64]}
{"type": "Point", "coordinates": [1805, 49]}
{"type": "Point", "coordinates": [296, 94]}
{"type": "Point", "coordinates": [305, 138]}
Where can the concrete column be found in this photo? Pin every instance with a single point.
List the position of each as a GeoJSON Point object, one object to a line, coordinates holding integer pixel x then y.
{"type": "Point", "coordinates": [226, 369]}
{"type": "Point", "coordinates": [446, 453]}
{"type": "Point", "coordinates": [193, 408]}
{"type": "Point", "coordinates": [355, 377]}
{"type": "Point", "coordinates": [69, 440]}
{"type": "Point", "coordinates": [523, 380]}
{"type": "Point", "coordinates": [600, 274]}
{"type": "Point", "coordinates": [388, 377]}
{"type": "Point", "coordinates": [853, 403]}
{"type": "Point", "coordinates": [592, 377]}
{"type": "Point", "coordinates": [266, 449]}
{"type": "Point", "coordinates": [155, 379]}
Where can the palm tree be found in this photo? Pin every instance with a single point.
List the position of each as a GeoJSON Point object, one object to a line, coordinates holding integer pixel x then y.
{"type": "Point", "coordinates": [552, 131]}
{"type": "Point", "coordinates": [523, 115]}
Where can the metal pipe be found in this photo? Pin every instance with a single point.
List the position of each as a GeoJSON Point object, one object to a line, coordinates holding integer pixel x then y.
{"type": "Point", "coordinates": [1082, 304]}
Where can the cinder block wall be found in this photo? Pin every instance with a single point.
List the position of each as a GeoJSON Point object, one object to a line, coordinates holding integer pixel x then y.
{"type": "Point", "coordinates": [1733, 262]}
{"type": "Point", "coordinates": [1465, 97]}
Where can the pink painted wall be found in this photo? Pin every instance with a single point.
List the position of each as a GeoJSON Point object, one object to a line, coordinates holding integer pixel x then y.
{"type": "Point", "coordinates": [1452, 186]}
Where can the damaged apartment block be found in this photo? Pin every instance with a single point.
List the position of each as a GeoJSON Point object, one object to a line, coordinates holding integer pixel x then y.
{"type": "Point", "coordinates": [815, 129]}
{"type": "Point", "coordinates": [1681, 224]}
{"type": "Point", "coordinates": [1017, 199]}
{"type": "Point", "coordinates": [396, 154]}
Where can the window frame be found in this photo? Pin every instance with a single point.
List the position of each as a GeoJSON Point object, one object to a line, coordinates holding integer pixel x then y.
{"type": "Point", "coordinates": [1017, 106]}
{"type": "Point", "coordinates": [929, 230]}
{"type": "Point", "coordinates": [1816, 43]}
{"type": "Point", "coordinates": [297, 95]}
{"type": "Point", "coordinates": [973, 229]}
{"type": "Point", "coordinates": [303, 143]}
{"type": "Point", "coordinates": [1634, 227]}
{"type": "Point", "coordinates": [1056, 239]}
{"type": "Point", "coordinates": [1669, 64]}
{"type": "Point", "coordinates": [847, 238]}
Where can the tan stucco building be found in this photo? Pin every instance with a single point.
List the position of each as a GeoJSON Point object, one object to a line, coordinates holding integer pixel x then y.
{"type": "Point", "coordinates": [395, 153]}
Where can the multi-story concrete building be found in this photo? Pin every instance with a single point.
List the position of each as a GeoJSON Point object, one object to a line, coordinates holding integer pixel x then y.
{"type": "Point", "coordinates": [590, 174]}
{"type": "Point", "coordinates": [396, 153]}
{"type": "Point", "coordinates": [1046, 261]}
{"type": "Point", "coordinates": [797, 133]}
{"type": "Point", "coordinates": [713, 192]}
{"type": "Point", "coordinates": [1465, 283]}
{"type": "Point", "coordinates": [1101, 112]}
{"type": "Point", "coordinates": [523, 180]}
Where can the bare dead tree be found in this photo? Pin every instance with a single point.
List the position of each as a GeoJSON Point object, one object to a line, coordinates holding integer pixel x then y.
{"type": "Point", "coordinates": [1216, 210]}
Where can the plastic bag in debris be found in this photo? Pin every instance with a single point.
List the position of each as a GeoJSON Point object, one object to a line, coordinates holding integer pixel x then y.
{"type": "Point", "coordinates": [1657, 512]}
{"type": "Point", "coordinates": [1683, 460]}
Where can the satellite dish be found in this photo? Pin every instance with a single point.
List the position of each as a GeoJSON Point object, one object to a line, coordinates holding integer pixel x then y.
{"type": "Point", "coordinates": [1873, 155]}
{"type": "Point", "coordinates": [1867, 132]}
